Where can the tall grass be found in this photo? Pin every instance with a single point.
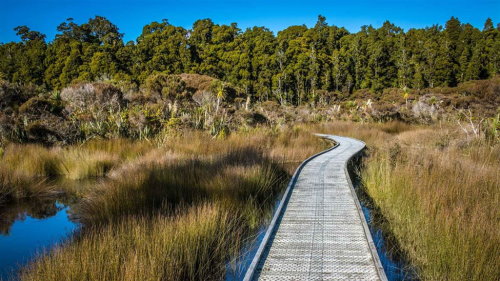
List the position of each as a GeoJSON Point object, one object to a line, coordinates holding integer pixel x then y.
{"type": "Point", "coordinates": [26, 170]}
{"type": "Point", "coordinates": [439, 193]}
{"type": "Point", "coordinates": [15, 185]}
{"type": "Point", "coordinates": [443, 206]}
{"type": "Point", "coordinates": [31, 160]}
{"type": "Point", "coordinates": [178, 207]}
{"type": "Point", "coordinates": [179, 211]}
{"type": "Point", "coordinates": [77, 164]}
{"type": "Point", "coordinates": [231, 176]}
{"type": "Point", "coordinates": [187, 246]}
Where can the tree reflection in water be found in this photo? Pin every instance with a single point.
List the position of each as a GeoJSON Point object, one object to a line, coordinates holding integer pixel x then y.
{"type": "Point", "coordinates": [39, 208]}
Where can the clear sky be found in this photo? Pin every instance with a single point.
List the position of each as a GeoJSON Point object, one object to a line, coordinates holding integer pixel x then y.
{"type": "Point", "coordinates": [130, 16]}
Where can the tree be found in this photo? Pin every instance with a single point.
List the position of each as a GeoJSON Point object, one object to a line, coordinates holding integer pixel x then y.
{"type": "Point", "coordinates": [102, 65]}
{"type": "Point", "coordinates": [491, 50]}
{"type": "Point", "coordinates": [161, 47]}
{"type": "Point", "coordinates": [70, 70]}
{"type": "Point", "coordinates": [293, 67]}
{"type": "Point", "coordinates": [453, 31]}
{"type": "Point", "coordinates": [26, 34]}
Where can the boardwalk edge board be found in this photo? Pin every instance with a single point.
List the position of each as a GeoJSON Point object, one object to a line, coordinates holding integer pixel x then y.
{"type": "Point", "coordinates": [258, 255]}
{"type": "Point", "coordinates": [252, 270]}
{"type": "Point", "coordinates": [371, 244]}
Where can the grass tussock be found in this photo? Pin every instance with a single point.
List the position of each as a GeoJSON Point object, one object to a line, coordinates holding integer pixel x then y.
{"type": "Point", "coordinates": [14, 185]}
{"type": "Point", "coordinates": [82, 164]}
{"type": "Point", "coordinates": [31, 160]}
{"type": "Point", "coordinates": [179, 207]}
{"type": "Point", "coordinates": [443, 206]}
{"type": "Point", "coordinates": [438, 190]}
{"type": "Point", "coordinates": [187, 246]}
{"type": "Point", "coordinates": [26, 170]}
{"type": "Point", "coordinates": [180, 210]}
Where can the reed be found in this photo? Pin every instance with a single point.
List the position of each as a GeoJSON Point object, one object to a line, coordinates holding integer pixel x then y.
{"type": "Point", "coordinates": [15, 185]}
{"type": "Point", "coordinates": [193, 245]}
{"type": "Point", "coordinates": [26, 169]}
{"type": "Point", "coordinates": [181, 210]}
{"type": "Point", "coordinates": [438, 190]}
{"type": "Point", "coordinates": [181, 207]}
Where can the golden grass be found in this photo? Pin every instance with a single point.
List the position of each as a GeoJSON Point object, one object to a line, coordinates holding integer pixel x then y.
{"type": "Point", "coordinates": [82, 164]}
{"type": "Point", "coordinates": [14, 185]}
{"type": "Point", "coordinates": [443, 206]}
{"type": "Point", "coordinates": [187, 246]}
{"type": "Point", "coordinates": [25, 169]}
{"type": "Point", "coordinates": [439, 192]}
{"type": "Point", "coordinates": [153, 216]}
{"type": "Point", "coordinates": [180, 210]}
{"type": "Point", "coordinates": [23, 172]}
{"type": "Point", "coordinates": [31, 160]}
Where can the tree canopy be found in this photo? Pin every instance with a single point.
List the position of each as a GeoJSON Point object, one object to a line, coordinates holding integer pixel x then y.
{"type": "Point", "coordinates": [298, 64]}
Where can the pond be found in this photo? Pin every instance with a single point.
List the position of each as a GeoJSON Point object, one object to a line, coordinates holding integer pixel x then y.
{"type": "Point", "coordinates": [28, 228]}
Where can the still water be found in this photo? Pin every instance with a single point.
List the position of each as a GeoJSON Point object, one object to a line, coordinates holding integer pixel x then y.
{"type": "Point", "coordinates": [29, 228]}
{"type": "Point", "coordinates": [395, 266]}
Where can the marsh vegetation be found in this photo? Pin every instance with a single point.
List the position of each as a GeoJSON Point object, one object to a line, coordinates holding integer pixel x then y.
{"type": "Point", "coordinates": [437, 189]}
{"type": "Point", "coordinates": [183, 206]}
{"type": "Point", "coordinates": [189, 136]}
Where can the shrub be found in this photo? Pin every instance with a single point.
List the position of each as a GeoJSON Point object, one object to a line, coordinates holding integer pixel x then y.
{"type": "Point", "coordinates": [254, 118]}
{"type": "Point", "coordinates": [40, 105]}
{"type": "Point", "coordinates": [12, 95]}
{"type": "Point", "coordinates": [197, 82]}
{"type": "Point", "coordinates": [92, 97]}
{"type": "Point", "coordinates": [167, 86]}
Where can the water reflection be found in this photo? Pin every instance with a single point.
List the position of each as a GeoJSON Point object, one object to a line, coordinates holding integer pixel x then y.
{"type": "Point", "coordinates": [30, 227]}
{"type": "Point", "coordinates": [37, 209]}
{"type": "Point", "coordinates": [236, 270]}
{"type": "Point", "coordinates": [395, 265]}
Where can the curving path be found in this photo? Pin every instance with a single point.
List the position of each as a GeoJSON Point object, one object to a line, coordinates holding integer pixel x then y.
{"type": "Point", "coordinates": [318, 231]}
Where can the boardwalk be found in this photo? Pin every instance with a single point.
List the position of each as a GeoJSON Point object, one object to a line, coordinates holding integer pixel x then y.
{"type": "Point", "coordinates": [319, 233]}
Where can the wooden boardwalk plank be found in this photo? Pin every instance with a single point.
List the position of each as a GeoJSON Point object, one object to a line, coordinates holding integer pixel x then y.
{"type": "Point", "coordinates": [319, 231]}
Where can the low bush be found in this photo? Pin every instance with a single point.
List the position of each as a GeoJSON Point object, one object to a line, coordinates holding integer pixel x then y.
{"type": "Point", "coordinates": [84, 97]}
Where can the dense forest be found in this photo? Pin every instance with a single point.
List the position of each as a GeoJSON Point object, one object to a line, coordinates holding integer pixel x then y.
{"type": "Point", "coordinates": [297, 65]}
{"type": "Point", "coordinates": [87, 83]}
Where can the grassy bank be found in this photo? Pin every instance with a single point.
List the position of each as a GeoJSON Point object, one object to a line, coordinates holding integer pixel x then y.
{"type": "Point", "coordinates": [187, 246]}
{"type": "Point", "coordinates": [441, 199]}
{"type": "Point", "coordinates": [179, 207]}
{"type": "Point", "coordinates": [179, 211]}
{"type": "Point", "coordinates": [438, 190]}
{"type": "Point", "coordinates": [26, 171]}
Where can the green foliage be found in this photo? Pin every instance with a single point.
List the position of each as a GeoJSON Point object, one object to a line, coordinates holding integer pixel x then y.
{"type": "Point", "coordinates": [170, 87]}
{"type": "Point", "coordinates": [87, 83]}
{"type": "Point", "coordinates": [491, 128]}
{"type": "Point", "coordinates": [291, 68]}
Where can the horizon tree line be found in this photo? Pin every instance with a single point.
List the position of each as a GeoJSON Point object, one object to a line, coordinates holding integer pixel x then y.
{"type": "Point", "coordinates": [298, 64]}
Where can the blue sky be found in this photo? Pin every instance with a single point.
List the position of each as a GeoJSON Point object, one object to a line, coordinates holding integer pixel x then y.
{"type": "Point", "coordinates": [130, 16]}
